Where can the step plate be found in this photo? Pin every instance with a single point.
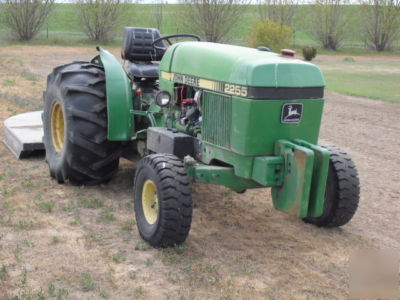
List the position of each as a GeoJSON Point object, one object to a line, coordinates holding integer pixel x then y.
{"type": "Point", "coordinates": [23, 133]}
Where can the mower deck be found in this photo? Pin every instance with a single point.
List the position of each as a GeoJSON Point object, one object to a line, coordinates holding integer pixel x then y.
{"type": "Point", "coordinates": [23, 133]}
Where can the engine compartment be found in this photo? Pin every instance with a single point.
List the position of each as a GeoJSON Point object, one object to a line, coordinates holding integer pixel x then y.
{"type": "Point", "coordinates": [188, 101]}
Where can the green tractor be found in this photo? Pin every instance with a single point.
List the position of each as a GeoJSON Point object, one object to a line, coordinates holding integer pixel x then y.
{"type": "Point", "coordinates": [235, 116]}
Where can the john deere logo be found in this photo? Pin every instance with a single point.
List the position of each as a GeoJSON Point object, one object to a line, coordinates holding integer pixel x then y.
{"type": "Point", "coordinates": [291, 113]}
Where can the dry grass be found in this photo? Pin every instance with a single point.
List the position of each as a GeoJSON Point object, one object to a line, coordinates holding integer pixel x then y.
{"type": "Point", "coordinates": [67, 242]}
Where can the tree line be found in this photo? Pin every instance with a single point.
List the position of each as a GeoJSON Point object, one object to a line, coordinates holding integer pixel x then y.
{"type": "Point", "coordinates": [328, 21]}
{"type": "Point", "coordinates": [215, 20]}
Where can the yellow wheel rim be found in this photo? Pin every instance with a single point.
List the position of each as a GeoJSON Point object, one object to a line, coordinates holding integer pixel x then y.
{"type": "Point", "coordinates": [57, 127]}
{"type": "Point", "coordinates": [150, 201]}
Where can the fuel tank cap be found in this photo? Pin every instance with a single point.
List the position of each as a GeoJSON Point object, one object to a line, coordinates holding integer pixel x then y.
{"type": "Point", "coordinates": [289, 53]}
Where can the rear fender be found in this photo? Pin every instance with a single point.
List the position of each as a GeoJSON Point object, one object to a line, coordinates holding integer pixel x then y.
{"type": "Point", "coordinates": [119, 97]}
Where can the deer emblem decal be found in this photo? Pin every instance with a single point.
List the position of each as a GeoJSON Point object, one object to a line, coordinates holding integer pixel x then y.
{"type": "Point", "coordinates": [291, 113]}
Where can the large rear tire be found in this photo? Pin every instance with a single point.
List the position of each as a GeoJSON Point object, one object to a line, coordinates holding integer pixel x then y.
{"type": "Point", "coordinates": [163, 200]}
{"type": "Point", "coordinates": [75, 126]}
{"type": "Point", "coordinates": [342, 191]}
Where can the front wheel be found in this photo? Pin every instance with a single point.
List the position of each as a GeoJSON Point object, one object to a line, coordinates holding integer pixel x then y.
{"type": "Point", "coordinates": [342, 191]}
{"type": "Point", "coordinates": [163, 200]}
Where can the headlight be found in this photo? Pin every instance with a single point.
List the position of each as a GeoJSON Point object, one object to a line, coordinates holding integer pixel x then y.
{"type": "Point", "coordinates": [163, 98]}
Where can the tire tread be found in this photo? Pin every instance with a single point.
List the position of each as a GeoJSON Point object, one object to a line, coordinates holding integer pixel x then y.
{"type": "Point", "coordinates": [174, 224]}
{"type": "Point", "coordinates": [89, 157]}
{"type": "Point", "coordinates": [346, 191]}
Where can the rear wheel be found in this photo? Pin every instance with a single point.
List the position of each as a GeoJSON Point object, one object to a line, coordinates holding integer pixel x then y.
{"type": "Point", "coordinates": [75, 126]}
{"type": "Point", "coordinates": [163, 201]}
{"type": "Point", "coordinates": [342, 191]}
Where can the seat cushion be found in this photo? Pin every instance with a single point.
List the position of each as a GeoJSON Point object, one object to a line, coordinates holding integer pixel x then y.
{"type": "Point", "coordinates": [144, 70]}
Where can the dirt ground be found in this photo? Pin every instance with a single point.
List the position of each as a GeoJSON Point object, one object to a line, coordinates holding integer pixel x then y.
{"type": "Point", "coordinates": [66, 242]}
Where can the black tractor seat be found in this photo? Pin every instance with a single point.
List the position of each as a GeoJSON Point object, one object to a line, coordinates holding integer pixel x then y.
{"type": "Point", "coordinates": [139, 51]}
{"type": "Point", "coordinates": [146, 70]}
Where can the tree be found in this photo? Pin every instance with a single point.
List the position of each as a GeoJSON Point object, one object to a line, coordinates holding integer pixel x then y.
{"type": "Point", "coordinates": [213, 19]}
{"type": "Point", "coordinates": [328, 25]}
{"type": "Point", "coordinates": [99, 17]}
{"type": "Point", "coordinates": [381, 23]}
{"type": "Point", "coordinates": [271, 34]}
{"type": "Point", "coordinates": [26, 17]}
{"type": "Point", "coordinates": [158, 13]}
{"type": "Point", "coordinates": [278, 11]}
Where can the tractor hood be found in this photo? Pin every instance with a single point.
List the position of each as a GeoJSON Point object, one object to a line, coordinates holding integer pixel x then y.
{"type": "Point", "coordinates": [239, 65]}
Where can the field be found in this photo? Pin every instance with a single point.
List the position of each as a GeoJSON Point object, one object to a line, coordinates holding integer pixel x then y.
{"type": "Point", "coordinates": [372, 77]}
{"type": "Point", "coordinates": [63, 27]}
{"type": "Point", "coordinates": [68, 242]}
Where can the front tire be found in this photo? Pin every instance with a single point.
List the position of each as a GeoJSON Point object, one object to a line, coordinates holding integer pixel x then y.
{"type": "Point", "coordinates": [75, 126]}
{"type": "Point", "coordinates": [163, 200]}
{"type": "Point", "coordinates": [342, 191]}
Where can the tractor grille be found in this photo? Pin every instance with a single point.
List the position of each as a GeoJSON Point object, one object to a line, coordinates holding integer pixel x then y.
{"type": "Point", "coordinates": [217, 117]}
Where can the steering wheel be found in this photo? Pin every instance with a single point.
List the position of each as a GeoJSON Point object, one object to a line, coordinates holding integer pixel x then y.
{"type": "Point", "coordinates": [167, 37]}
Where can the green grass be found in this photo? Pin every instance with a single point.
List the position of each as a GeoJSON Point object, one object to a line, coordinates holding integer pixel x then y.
{"type": "Point", "coordinates": [55, 240]}
{"type": "Point", "coordinates": [9, 82]}
{"type": "Point", "coordinates": [106, 216]}
{"type": "Point", "coordinates": [375, 86]}
{"type": "Point", "coordinates": [29, 76]}
{"type": "Point", "coordinates": [55, 293]}
{"type": "Point", "coordinates": [26, 224]}
{"type": "Point", "coordinates": [46, 206]}
{"type": "Point", "coordinates": [379, 80]}
{"type": "Point", "coordinates": [87, 282]}
{"type": "Point", "coordinates": [119, 257]}
{"type": "Point", "coordinates": [142, 246]}
{"type": "Point", "coordinates": [129, 225]}
{"type": "Point", "coordinates": [92, 202]}
{"type": "Point", "coordinates": [3, 273]}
